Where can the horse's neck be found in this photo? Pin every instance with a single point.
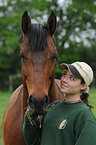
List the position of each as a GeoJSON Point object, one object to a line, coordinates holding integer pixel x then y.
{"type": "Point", "coordinates": [54, 93]}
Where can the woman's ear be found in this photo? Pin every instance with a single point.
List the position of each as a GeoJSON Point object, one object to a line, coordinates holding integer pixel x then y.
{"type": "Point", "coordinates": [84, 86]}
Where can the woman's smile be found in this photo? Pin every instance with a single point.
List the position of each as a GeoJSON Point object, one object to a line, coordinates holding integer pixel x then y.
{"type": "Point", "coordinates": [63, 85]}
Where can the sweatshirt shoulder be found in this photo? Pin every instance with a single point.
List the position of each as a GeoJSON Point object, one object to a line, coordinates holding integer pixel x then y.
{"type": "Point", "coordinates": [52, 105]}
{"type": "Point", "coordinates": [85, 115]}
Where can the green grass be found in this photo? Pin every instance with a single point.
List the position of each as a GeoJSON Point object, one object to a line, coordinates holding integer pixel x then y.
{"type": "Point", "coordinates": [92, 99]}
{"type": "Point", "coordinates": [5, 97]}
{"type": "Point", "coordinates": [4, 100]}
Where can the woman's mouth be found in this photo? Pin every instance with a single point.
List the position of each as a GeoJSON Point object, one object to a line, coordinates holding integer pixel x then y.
{"type": "Point", "coordinates": [63, 85]}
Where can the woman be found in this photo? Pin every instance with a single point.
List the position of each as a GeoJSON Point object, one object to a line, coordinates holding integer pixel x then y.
{"type": "Point", "coordinates": [66, 122]}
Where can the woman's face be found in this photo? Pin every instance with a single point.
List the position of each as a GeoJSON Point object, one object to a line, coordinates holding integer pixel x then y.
{"type": "Point", "coordinates": [70, 84]}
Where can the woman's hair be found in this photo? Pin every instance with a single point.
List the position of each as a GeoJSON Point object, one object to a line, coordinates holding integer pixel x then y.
{"type": "Point", "coordinates": [84, 96]}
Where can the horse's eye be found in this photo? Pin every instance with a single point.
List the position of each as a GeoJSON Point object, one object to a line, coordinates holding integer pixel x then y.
{"type": "Point", "coordinates": [50, 77]}
{"type": "Point", "coordinates": [54, 56]}
{"type": "Point", "coordinates": [23, 56]}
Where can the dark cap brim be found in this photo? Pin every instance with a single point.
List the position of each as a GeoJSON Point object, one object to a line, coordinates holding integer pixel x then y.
{"type": "Point", "coordinates": [72, 69]}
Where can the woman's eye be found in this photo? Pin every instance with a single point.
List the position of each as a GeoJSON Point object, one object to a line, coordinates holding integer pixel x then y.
{"type": "Point", "coordinates": [64, 73]}
{"type": "Point", "coordinates": [71, 78]}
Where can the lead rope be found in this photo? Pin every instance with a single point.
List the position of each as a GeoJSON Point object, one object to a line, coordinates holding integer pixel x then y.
{"type": "Point", "coordinates": [40, 124]}
{"type": "Point", "coordinates": [40, 118]}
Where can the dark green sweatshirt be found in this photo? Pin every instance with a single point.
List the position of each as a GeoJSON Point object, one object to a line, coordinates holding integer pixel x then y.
{"type": "Point", "coordinates": [63, 124]}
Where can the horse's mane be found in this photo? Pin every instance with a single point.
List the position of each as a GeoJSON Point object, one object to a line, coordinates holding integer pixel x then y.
{"type": "Point", "coordinates": [38, 37]}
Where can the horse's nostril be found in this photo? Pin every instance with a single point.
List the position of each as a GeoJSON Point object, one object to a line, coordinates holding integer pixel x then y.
{"type": "Point", "coordinates": [46, 100]}
{"type": "Point", "coordinates": [31, 100]}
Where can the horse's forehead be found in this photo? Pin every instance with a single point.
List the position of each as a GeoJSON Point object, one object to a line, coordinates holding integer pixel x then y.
{"type": "Point", "coordinates": [50, 48]}
{"type": "Point", "coordinates": [39, 55]}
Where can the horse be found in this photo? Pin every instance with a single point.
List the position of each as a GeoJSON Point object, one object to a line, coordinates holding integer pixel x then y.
{"type": "Point", "coordinates": [39, 86]}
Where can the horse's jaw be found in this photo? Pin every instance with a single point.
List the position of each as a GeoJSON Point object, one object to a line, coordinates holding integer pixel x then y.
{"type": "Point", "coordinates": [54, 92]}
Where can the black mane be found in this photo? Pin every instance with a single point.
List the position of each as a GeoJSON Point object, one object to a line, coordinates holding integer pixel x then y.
{"type": "Point", "coordinates": [38, 37]}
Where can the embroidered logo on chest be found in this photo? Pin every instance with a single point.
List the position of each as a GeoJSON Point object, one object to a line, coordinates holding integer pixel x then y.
{"type": "Point", "coordinates": [63, 124]}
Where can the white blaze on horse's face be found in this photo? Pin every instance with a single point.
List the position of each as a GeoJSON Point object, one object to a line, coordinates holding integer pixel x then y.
{"type": "Point", "coordinates": [38, 55]}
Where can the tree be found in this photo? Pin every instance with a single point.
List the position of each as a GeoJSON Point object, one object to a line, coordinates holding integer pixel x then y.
{"type": "Point", "coordinates": [76, 31]}
{"type": "Point", "coordinates": [75, 36]}
{"type": "Point", "coordinates": [11, 35]}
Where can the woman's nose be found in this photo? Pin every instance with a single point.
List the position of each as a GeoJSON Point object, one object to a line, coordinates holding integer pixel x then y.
{"type": "Point", "coordinates": [64, 78]}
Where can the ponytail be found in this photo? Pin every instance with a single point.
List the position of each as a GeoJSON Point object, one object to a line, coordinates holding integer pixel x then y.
{"type": "Point", "coordinates": [84, 97]}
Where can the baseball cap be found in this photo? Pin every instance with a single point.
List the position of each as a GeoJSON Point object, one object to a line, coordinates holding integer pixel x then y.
{"type": "Point", "coordinates": [80, 70]}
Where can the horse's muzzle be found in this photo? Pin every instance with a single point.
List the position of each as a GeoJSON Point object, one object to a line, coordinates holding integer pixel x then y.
{"type": "Point", "coordinates": [38, 106]}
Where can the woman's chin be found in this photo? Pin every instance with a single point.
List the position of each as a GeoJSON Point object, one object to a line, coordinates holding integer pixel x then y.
{"type": "Point", "coordinates": [63, 90]}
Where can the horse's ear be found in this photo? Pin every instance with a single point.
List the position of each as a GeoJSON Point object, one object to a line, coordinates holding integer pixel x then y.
{"type": "Point", "coordinates": [52, 23]}
{"type": "Point", "coordinates": [26, 23]}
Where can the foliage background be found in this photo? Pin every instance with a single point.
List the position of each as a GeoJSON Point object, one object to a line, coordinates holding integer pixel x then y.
{"type": "Point", "coordinates": [75, 36]}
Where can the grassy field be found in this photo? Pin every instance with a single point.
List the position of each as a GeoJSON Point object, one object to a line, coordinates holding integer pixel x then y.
{"type": "Point", "coordinates": [4, 100]}
{"type": "Point", "coordinates": [5, 97]}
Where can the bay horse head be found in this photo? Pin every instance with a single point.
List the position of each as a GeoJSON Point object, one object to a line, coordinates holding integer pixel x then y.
{"type": "Point", "coordinates": [38, 56]}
